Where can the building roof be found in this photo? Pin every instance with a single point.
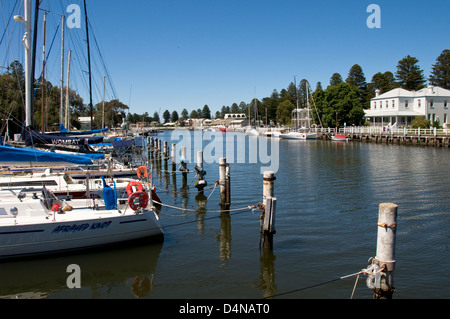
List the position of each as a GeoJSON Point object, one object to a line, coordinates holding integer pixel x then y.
{"type": "Point", "coordinates": [425, 92]}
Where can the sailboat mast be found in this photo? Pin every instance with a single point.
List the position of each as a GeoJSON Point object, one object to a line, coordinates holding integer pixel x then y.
{"type": "Point", "coordinates": [43, 76]}
{"type": "Point", "coordinates": [67, 121]}
{"type": "Point", "coordinates": [308, 123]}
{"type": "Point", "coordinates": [28, 64]}
{"type": "Point", "coordinates": [89, 62]}
{"type": "Point", "coordinates": [297, 109]}
{"type": "Point", "coordinates": [61, 108]}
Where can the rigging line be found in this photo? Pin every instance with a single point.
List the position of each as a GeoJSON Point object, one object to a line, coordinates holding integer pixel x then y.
{"type": "Point", "coordinates": [103, 63]}
{"type": "Point", "coordinates": [196, 221]}
{"type": "Point", "coordinates": [315, 285]}
{"type": "Point", "coordinates": [9, 20]}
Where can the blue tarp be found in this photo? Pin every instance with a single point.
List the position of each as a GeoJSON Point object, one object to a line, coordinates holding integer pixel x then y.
{"type": "Point", "coordinates": [64, 131]}
{"type": "Point", "coordinates": [30, 155]}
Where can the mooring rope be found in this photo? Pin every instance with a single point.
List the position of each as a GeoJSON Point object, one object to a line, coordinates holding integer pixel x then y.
{"type": "Point", "coordinates": [211, 211]}
{"type": "Point", "coordinates": [363, 271]}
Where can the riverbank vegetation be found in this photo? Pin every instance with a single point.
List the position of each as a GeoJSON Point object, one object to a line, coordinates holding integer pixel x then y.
{"type": "Point", "coordinates": [342, 101]}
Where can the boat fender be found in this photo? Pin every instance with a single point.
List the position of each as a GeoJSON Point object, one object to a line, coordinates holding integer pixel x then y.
{"type": "Point", "coordinates": [142, 171]}
{"type": "Point", "coordinates": [55, 207]}
{"type": "Point", "coordinates": [132, 184]}
{"type": "Point", "coordinates": [143, 200]}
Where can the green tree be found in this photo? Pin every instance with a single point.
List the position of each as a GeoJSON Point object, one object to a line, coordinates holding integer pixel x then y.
{"type": "Point", "coordinates": [12, 90]}
{"type": "Point", "coordinates": [356, 78]}
{"type": "Point", "coordinates": [440, 73]}
{"type": "Point", "coordinates": [114, 112]}
{"type": "Point", "coordinates": [185, 114]}
{"type": "Point", "coordinates": [409, 74]}
{"type": "Point", "coordinates": [156, 117]}
{"type": "Point", "coordinates": [336, 79]}
{"type": "Point", "coordinates": [383, 82]}
{"type": "Point", "coordinates": [166, 116]}
{"type": "Point", "coordinates": [342, 101]}
{"type": "Point", "coordinates": [194, 115]}
{"type": "Point", "coordinates": [284, 112]}
{"type": "Point", "coordinates": [206, 112]}
{"type": "Point", "coordinates": [174, 117]}
{"type": "Point", "coordinates": [420, 121]}
{"type": "Point", "coordinates": [243, 107]}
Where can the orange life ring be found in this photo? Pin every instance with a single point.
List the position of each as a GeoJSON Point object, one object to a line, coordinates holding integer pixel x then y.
{"type": "Point", "coordinates": [143, 200]}
{"type": "Point", "coordinates": [132, 184]}
{"type": "Point", "coordinates": [142, 171]}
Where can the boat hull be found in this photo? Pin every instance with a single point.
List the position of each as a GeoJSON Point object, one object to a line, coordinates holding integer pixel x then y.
{"type": "Point", "coordinates": [339, 138]}
{"type": "Point", "coordinates": [298, 136]}
{"type": "Point", "coordinates": [47, 236]}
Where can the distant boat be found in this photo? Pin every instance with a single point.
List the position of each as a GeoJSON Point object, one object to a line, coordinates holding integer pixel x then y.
{"type": "Point", "coordinates": [302, 117]}
{"type": "Point", "coordinates": [251, 131]}
{"type": "Point", "coordinates": [339, 138]}
{"type": "Point", "coordinates": [298, 136]}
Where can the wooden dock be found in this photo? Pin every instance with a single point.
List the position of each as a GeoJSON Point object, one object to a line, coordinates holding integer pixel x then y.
{"type": "Point", "coordinates": [435, 140]}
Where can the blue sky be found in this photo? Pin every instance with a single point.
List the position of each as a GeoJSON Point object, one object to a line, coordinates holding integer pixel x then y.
{"type": "Point", "coordinates": [175, 54]}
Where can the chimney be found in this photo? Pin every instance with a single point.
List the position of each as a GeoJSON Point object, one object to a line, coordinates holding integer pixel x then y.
{"type": "Point", "coordinates": [431, 89]}
{"type": "Point", "coordinates": [377, 92]}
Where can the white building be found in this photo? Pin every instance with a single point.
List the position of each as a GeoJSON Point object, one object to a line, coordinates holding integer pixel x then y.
{"type": "Point", "coordinates": [400, 107]}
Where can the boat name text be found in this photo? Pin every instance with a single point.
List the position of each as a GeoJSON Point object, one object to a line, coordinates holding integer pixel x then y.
{"type": "Point", "coordinates": [80, 227]}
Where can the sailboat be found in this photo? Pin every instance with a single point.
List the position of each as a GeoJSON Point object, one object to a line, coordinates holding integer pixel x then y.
{"type": "Point", "coordinates": [302, 117]}
{"type": "Point", "coordinates": [33, 221]}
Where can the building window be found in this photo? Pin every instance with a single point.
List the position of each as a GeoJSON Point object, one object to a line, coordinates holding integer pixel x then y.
{"type": "Point", "coordinates": [445, 117]}
{"type": "Point", "coordinates": [432, 104]}
{"type": "Point", "coordinates": [420, 103]}
{"type": "Point", "coordinates": [393, 104]}
{"type": "Point", "coordinates": [375, 105]}
{"type": "Point", "coordinates": [445, 104]}
{"type": "Point", "coordinates": [406, 104]}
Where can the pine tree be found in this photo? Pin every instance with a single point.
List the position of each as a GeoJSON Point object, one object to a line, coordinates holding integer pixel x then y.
{"type": "Point", "coordinates": [336, 79]}
{"type": "Point", "coordinates": [409, 74]}
{"type": "Point", "coordinates": [440, 73]}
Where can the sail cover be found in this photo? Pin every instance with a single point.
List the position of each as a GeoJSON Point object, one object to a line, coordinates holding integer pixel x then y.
{"type": "Point", "coordinates": [64, 131]}
{"type": "Point", "coordinates": [13, 156]}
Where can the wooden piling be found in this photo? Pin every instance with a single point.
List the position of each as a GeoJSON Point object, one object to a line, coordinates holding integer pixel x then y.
{"type": "Point", "coordinates": [173, 157]}
{"type": "Point", "coordinates": [385, 257]}
{"type": "Point", "coordinates": [224, 186]}
{"type": "Point", "coordinates": [201, 183]}
{"type": "Point", "coordinates": [183, 166]}
{"type": "Point", "coordinates": [268, 218]}
{"type": "Point", "coordinates": [166, 151]}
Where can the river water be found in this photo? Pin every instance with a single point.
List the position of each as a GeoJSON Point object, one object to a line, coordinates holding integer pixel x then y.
{"type": "Point", "coordinates": [328, 194]}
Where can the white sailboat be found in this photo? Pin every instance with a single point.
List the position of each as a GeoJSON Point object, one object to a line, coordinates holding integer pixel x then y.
{"type": "Point", "coordinates": [34, 222]}
{"type": "Point", "coordinates": [302, 116]}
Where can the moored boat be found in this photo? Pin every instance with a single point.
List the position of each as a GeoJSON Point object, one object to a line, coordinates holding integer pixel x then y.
{"type": "Point", "coordinates": [339, 138]}
{"type": "Point", "coordinates": [298, 136]}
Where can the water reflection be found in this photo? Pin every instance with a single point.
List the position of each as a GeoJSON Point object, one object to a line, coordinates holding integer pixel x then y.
{"type": "Point", "coordinates": [131, 270]}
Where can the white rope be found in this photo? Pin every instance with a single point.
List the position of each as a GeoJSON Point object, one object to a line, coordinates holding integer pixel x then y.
{"type": "Point", "coordinates": [212, 211]}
